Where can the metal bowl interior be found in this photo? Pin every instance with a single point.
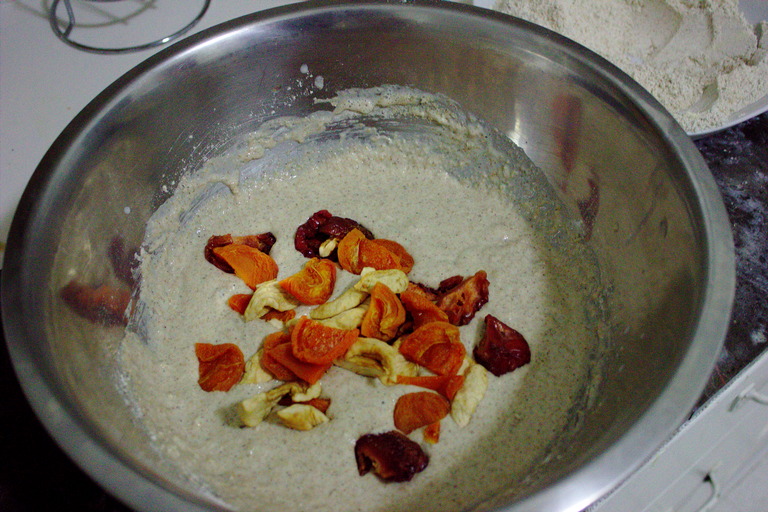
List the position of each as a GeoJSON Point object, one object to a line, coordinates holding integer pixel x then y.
{"type": "Point", "coordinates": [635, 180]}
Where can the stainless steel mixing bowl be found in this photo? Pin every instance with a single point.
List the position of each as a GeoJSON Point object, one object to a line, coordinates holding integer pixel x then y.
{"type": "Point", "coordinates": [622, 167]}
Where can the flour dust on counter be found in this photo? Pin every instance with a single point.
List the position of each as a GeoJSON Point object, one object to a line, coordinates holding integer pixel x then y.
{"type": "Point", "coordinates": [412, 168]}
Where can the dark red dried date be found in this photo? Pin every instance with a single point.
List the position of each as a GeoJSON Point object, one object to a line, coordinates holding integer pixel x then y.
{"type": "Point", "coordinates": [262, 242]}
{"type": "Point", "coordinates": [392, 456]}
{"type": "Point", "coordinates": [338, 227]}
{"type": "Point", "coordinates": [447, 285]}
{"type": "Point", "coordinates": [321, 226]}
{"type": "Point", "coordinates": [502, 349]}
{"type": "Point", "coordinates": [462, 298]}
{"type": "Point", "coordinates": [102, 305]}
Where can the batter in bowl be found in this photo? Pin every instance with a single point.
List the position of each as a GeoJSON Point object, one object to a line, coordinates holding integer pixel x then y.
{"type": "Point", "coordinates": [413, 168]}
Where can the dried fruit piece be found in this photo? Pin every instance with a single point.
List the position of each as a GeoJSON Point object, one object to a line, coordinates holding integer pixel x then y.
{"type": "Point", "coordinates": [447, 284]}
{"type": "Point", "coordinates": [302, 417]}
{"type": "Point", "coordinates": [254, 372]}
{"type": "Point", "coordinates": [446, 385]}
{"type": "Point", "coordinates": [418, 304]}
{"type": "Point", "coordinates": [319, 228]}
{"type": "Point", "coordinates": [429, 292]}
{"type": "Point", "coordinates": [262, 242]}
{"type": "Point", "coordinates": [307, 239]}
{"type": "Point", "coordinates": [313, 284]}
{"type": "Point", "coordinates": [444, 358]}
{"type": "Point", "coordinates": [384, 315]}
{"type": "Point", "coordinates": [267, 296]}
{"type": "Point", "coordinates": [501, 349]}
{"type": "Point", "coordinates": [384, 254]}
{"type": "Point", "coordinates": [315, 343]}
{"type": "Point", "coordinates": [349, 299]}
{"type": "Point", "coordinates": [305, 394]}
{"type": "Point", "coordinates": [395, 279]}
{"type": "Point", "coordinates": [348, 251]}
{"type": "Point", "coordinates": [249, 264]}
{"type": "Point", "coordinates": [470, 395]}
{"type": "Point", "coordinates": [374, 358]}
{"type": "Point", "coordinates": [435, 346]}
{"type": "Point", "coordinates": [338, 227]}
{"type": "Point", "coordinates": [239, 302]}
{"type": "Point", "coordinates": [419, 409]}
{"type": "Point", "coordinates": [328, 247]}
{"type": "Point", "coordinates": [308, 372]}
{"type": "Point", "coordinates": [346, 320]}
{"type": "Point", "coordinates": [463, 300]}
{"type": "Point", "coordinates": [280, 316]}
{"type": "Point", "coordinates": [404, 258]}
{"type": "Point", "coordinates": [252, 411]}
{"type": "Point", "coordinates": [391, 455]}
{"type": "Point", "coordinates": [269, 363]}
{"type": "Point", "coordinates": [432, 433]}
{"type": "Point", "coordinates": [220, 366]}
{"type": "Point", "coordinates": [321, 404]}
{"type": "Point", "coordinates": [102, 305]}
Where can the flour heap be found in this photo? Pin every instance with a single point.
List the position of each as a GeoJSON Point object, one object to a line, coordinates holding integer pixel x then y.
{"type": "Point", "coordinates": [700, 58]}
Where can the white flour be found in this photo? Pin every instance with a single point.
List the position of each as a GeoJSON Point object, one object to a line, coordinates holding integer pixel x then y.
{"type": "Point", "coordinates": [699, 58]}
{"type": "Point", "coordinates": [400, 184]}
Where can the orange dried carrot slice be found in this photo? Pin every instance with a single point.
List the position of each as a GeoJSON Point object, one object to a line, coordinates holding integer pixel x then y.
{"type": "Point", "coordinates": [422, 309]}
{"type": "Point", "coordinates": [316, 343]}
{"type": "Point", "coordinates": [313, 284]}
{"type": "Point", "coordinates": [416, 410]}
{"type": "Point", "coordinates": [446, 385]}
{"type": "Point", "coordinates": [220, 366]}
{"type": "Point", "coordinates": [269, 363]}
{"type": "Point", "coordinates": [239, 302]}
{"type": "Point", "coordinates": [444, 358]}
{"type": "Point", "coordinates": [432, 433]}
{"type": "Point", "coordinates": [384, 255]}
{"type": "Point", "coordinates": [384, 315]}
{"type": "Point", "coordinates": [307, 372]}
{"type": "Point", "coordinates": [403, 258]}
{"type": "Point", "coordinates": [250, 264]}
{"type": "Point", "coordinates": [435, 346]}
{"type": "Point", "coordinates": [262, 242]}
{"type": "Point", "coordinates": [348, 251]}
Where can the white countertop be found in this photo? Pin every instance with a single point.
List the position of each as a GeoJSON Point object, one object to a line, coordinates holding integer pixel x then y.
{"type": "Point", "coordinates": [44, 83]}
